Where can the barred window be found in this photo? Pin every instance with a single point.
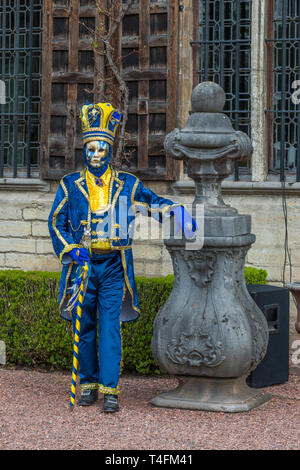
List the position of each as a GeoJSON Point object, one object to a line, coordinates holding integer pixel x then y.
{"type": "Point", "coordinates": [20, 70]}
{"type": "Point", "coordinates": [222, 54]}
{"type": "Point", "coordinates": [283, 59]}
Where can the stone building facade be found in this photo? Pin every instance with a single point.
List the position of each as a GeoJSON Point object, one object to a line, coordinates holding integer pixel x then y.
{"type": "Point", "coordinates": [25, 202]}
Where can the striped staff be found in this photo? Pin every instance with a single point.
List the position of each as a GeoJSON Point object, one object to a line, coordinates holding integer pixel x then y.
{"type": "Point", "coordinates": [79, 302]}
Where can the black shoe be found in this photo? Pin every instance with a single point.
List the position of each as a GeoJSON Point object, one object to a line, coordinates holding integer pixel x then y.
{"type": "Point", "coordinates": [110, 403]}
{"type": "Point", "coordinates": [88, 397]}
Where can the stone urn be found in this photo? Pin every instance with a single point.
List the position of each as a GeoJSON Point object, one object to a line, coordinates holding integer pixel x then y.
{"type": "Point", "coordinates": [210, 334]}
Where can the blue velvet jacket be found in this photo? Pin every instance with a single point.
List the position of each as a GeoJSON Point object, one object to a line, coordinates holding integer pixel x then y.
{"type": "Point", "coordinates": [71, 215]}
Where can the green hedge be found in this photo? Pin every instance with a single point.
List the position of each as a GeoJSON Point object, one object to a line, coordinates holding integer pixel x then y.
{"type": "Point", "coordinates": [36, 336]}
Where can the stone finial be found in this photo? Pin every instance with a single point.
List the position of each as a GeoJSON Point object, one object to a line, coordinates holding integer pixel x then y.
{"type": "Point", "coordinates": [208, 97]}
{"type": "Point", "coordinates": [208, 135]}
{"type": "Point", "coordinates": [208, 143]}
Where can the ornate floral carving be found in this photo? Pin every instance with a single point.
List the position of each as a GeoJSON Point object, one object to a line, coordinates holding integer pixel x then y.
{"type": "Point", "coordinates": [259, 330]}
{"type": "Point", "coordinates": [176, 268]}
{"type": "Point", "coordinates": [229, 274]}
{"type": "Point", "coordinates": [195, 349]}
{"type": "Point", "coordinates": [171, 142]}
{"type": "Point", "coordinates": [201, 266]}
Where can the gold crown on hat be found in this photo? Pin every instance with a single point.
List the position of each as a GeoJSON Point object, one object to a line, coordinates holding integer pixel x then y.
{"type": "Point", "coordinates": [99, 122]}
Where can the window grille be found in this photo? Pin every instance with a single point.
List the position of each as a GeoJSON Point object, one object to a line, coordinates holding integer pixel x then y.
{"type": "Point", "coordinates": [222, 54]}
{"type": "Point", "coordinates": [20, 70]}
{"type": "Point", "coordinates": [283, 114]}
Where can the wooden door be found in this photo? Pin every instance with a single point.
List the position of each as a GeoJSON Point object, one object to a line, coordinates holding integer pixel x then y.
{"type": "Point", "coordinates": [148, 45]}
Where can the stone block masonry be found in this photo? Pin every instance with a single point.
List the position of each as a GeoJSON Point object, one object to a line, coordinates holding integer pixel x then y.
{"type": "Point", "coordinates": [24, 238]}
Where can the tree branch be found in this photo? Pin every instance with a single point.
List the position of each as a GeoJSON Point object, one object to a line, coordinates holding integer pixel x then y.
{"type": "Point", "coordinates": [101, 40]}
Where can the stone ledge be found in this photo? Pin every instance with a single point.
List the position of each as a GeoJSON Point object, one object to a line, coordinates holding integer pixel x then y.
{"type": "Point", "coordinates": [23, 184]}
{"type": "Point", "coordinates": [242, 187]}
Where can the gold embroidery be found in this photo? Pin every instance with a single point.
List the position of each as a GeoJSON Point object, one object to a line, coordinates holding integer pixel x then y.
{"type": "Point", "coordinates": [111, 391]}
{"type": "Point", "coordinates": [64, 188]}
{"type": "Point", "coordinates": [117, 193]}
{"type": "Point", "coordinates": [106, 244]}
{"type": "Point", "coordinates": [79, 186]}
{"type": "Point", "coordinates": [127, 247]}
{"type": "Point", "coordinates": [122, 361]}
{"type": "Point", "coordinates": [83, 222]}
{"type": "Point", "coordinates": [56, 212]}
{"type": "Point", "coordinates": [97, 221]}
{"type": "Point", "coordinates": [111, 186]}
{"type": "Point", "coordinates": [68, 248]}
{"type": "Point", "coordinates": [134, 191]}
{"type": "Point", "coordinates": [124, 291]}
{"type": "Point", "coordinates": [67, 282]}
{"type": "Point", "coordinates": [127, 281]}
{"type": "Point", "coordinates": [101, 244]}
{"type": "Point", "coordinates": [99, 232]}
{"type": "Point", "coordinates": [89, 218]}
{"type": "Point", "coordinates": [92, 386]}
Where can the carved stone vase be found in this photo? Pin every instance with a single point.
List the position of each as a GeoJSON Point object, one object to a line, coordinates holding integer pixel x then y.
{"type": "Point", "coordinates": [210, 334]}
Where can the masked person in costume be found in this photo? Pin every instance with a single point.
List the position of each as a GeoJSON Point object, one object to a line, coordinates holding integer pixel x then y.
{"type": "Point", "coordinates": [98, 204]}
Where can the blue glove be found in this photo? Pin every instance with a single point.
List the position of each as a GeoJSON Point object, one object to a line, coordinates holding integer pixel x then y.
{"type": "Point", "coordinates": [184, 222]}
{"type": "Point", "coordinates": [80, 255]}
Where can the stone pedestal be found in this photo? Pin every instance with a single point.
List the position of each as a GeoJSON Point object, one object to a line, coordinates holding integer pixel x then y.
{"type": "Point", "coordinates": [210, 333]}
{"type": "Point", "coordinates": [209, 394]}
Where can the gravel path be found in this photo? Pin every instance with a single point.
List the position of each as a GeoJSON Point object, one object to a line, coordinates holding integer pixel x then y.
{"type": "Point", "coordinates": [34, 414]}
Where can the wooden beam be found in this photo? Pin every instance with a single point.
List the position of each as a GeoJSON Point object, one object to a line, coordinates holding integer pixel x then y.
{"type": "Point", "coordinates": [173, 12]}
{"type": "Point", "coordinates": [72, 77]}
{"type": "Point", "coordinates": [72, 87]}
{"type": "Point", "coordinates": [143, 94]}
{"type": "Point", "coordinates": [196, 46]}
{"type": "Point", "coordinates": [46, 87]}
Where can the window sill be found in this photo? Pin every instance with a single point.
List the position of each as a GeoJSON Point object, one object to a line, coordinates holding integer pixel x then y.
{"type": "Point", "coordinates": [23, 184]}
{"type": "Point", "coordinates": [242, 187]}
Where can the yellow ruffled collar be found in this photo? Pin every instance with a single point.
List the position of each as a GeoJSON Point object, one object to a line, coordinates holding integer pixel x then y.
{"type": "Point", "coordinates": [105, 178]}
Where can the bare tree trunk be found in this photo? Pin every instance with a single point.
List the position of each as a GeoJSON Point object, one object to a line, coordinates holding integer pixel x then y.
{"type": "Point", "coordinates": [110, 86]}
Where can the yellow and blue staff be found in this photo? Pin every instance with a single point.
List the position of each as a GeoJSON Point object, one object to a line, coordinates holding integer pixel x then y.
{"type": "Point", "coordinates": [79, 301]}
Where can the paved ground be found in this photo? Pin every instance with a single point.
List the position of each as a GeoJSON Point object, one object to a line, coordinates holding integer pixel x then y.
{"type": "Point", "coordinates": [34, 414]}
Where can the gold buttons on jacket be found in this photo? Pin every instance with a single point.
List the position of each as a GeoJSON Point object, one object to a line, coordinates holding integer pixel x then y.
{"type": "Point", "coordinates": [99, 232]}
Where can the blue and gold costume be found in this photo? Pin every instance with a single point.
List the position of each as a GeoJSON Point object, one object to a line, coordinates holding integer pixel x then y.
{"type": "Point", "coordinates": [107, 212]}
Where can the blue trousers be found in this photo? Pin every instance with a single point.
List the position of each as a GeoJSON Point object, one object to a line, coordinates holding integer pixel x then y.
{"type": "Point", "coordinates": [99, 366]}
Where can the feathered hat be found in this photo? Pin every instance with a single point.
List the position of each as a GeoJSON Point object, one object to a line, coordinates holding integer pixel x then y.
{"type": "Point", "coordinates": [99, 122]}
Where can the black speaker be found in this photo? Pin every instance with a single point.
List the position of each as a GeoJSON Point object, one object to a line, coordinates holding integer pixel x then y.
{"type": "Point", "coordinates": [274, 303]}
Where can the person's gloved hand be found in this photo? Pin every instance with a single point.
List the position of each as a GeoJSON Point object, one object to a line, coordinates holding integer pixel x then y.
{"type": "Point", "coordinates": [80, 255]}
{"type": "Point", "coordinates": [184, 222]}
